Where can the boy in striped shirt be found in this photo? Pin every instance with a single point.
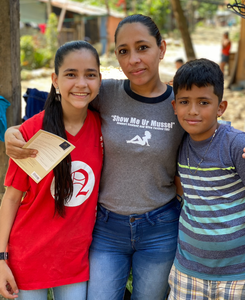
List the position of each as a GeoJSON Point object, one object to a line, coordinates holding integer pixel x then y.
{"type": "Point", "coordinates": [210, 257]}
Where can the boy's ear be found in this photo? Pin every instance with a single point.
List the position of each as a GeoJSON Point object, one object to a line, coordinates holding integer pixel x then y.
{"type": "Point", "coordinates": [222, 108]}
{"type": "Point", "coordinates": [174, 106]}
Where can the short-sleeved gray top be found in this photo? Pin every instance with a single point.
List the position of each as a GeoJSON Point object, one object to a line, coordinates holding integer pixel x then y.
{"type": "Point", "coordinates": [141, 139]}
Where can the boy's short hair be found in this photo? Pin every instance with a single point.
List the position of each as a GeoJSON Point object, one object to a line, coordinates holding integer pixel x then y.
{"type": "Point", "coordinates": [200, 72]}
{"type": "Point", "coordinates": [179, 60]}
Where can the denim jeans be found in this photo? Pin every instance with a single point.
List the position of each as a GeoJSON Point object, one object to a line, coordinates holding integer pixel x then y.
{"type": "Point", "coordinates": [146, 242]}
{"type": "Point", "coordinates": [76, 291]}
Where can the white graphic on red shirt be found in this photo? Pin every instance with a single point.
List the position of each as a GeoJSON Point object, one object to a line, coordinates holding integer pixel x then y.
{"type": "Point", "coordinates": [141, 141]}
{"type": "Point", "coordinates": [83, 183]}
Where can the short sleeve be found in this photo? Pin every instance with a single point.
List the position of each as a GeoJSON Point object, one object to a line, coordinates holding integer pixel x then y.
{"type": "Point", "coordinates": [237, 146]}
{"type": "Point", "coordinates": [16, 177]}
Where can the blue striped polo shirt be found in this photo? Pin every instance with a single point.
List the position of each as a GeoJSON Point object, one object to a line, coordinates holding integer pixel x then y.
{"type": "Point", "coordinates": [211, 242]}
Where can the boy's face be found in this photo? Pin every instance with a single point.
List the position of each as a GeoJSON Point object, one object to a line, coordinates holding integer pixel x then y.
{"type": "Point", "coordinates": [197, 111]}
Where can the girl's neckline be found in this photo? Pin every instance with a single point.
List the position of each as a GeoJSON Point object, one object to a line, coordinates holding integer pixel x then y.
{"type": "Point", "coordinates": [150, 100]}
{"type": "Point", "coordinates": [71, 137]}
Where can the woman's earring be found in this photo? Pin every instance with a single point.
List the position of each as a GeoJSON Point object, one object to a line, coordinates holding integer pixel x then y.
{"type": "Point", "coordinates": [57, 90]}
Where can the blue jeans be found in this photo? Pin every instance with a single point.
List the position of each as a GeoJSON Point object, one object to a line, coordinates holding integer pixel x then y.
{"type": "Point", "coordinates": [76, 291]}
{"type": "Point", "coordinates": [146, 242]}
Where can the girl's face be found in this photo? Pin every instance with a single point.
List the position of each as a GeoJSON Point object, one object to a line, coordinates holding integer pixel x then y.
{"type": "Point", "coordinates": [138, 54]}
{"type": "Point", "coordinates": [78, 80]}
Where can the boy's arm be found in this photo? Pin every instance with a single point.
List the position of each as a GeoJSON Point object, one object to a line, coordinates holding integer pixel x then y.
{"type": "Point", "coordinates": [9, 207]}
{"type": "Point", "coordinates": [14, 142]}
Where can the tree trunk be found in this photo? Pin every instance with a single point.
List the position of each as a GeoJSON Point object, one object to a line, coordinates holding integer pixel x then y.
{"type": "Point", "coordinates": [183, 27]}
{"type": "Point", "coordinates": [240, 73]}
{"type": "Point", "coordinates": [107, 29]}
{"type": "Point", "coordinates": [9, 70]}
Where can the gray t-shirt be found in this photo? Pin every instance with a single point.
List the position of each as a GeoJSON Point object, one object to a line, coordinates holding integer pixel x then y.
{"type": "Point", "coordinates": [141, 140]}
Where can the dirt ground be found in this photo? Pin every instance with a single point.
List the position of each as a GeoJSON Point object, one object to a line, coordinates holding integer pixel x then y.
{"type": "Point", "coordinates": [207, 44]}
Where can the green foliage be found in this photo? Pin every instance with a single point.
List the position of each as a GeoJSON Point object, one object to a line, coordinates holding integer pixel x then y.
{"type": "Point", "coordinates": [31, 55]}
{"type": "Point", "coordinates": [159, 10]}
{"type": "Point", "coordinates": [43, 57]}
{"type": "Point", "coordinates": [204, 10]}
{"type": "Point", "coordinates": [200, 24]}
{"type": "Point", "coordinates": [50, 294]}
{"type": "Point", "coordinates": [129, 283]}
{"type": "Point", "coordinates": [27, 50]}
{"type": "Point", "coordinates": [207, 10]}
{"type": "Point", "coordinates": [39, 51]}
{"type": "Point", "coordinates": [51, 34]}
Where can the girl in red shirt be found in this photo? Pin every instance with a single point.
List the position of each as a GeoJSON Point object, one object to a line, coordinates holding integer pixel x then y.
{"type": "Point", "coordinates": [49, 231]}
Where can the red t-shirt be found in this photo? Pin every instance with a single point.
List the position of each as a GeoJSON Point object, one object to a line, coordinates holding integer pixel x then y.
{"type": "Point", "coordinates": [226, 49]}
{"type": "Point", "coordinates": [46, 250]}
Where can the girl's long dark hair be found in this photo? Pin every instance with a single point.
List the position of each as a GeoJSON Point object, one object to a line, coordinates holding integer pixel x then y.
{"type": "Point", "coordinates": [53, 122]}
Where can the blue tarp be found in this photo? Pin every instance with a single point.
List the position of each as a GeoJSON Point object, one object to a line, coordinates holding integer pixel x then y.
{"type": "Point", "coordinates": [35, 101]}
{"type": "Point", "coordinates": [4, 104]}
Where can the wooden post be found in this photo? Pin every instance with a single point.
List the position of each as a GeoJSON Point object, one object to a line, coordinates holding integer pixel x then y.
{"type": "Point", "coordinates": [238, 72]}
{"type": "Point", "coordinates": [10, 87]}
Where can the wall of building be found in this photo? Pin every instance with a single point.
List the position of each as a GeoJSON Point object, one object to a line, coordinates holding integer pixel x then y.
{"type": "Point", "coordinates": [112, 25]}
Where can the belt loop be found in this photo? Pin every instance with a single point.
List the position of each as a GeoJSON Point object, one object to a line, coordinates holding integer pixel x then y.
{"type": "Point", "coordinates": [148, 219]}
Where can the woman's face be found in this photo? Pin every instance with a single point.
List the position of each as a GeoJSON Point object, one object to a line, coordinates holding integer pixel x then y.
{"type": "Point", "coordinates": [138, 54]}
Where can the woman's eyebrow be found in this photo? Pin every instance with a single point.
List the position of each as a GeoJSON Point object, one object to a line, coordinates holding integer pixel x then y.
{"type": "Point", "coordinates": [137, 42]}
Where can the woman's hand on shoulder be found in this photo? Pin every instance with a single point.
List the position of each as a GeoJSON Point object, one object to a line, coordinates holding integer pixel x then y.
{"type": "Point", "coordinates": [14, 142]}
{"type": "Point", "coordinates": [243, 155]}
{"type": "Point", "coordinates": [8, 286]}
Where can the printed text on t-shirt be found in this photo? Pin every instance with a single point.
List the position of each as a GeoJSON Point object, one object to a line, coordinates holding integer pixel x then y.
{"type": "Point", "coordinates": [142, 123]}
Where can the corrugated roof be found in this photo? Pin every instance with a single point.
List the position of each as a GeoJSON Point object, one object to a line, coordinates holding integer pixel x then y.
{"type": "Point", "coordinates": [83, 8]}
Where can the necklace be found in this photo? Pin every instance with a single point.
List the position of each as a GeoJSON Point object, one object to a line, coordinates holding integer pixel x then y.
{"type": "Point", "coordinates": [188, 160]}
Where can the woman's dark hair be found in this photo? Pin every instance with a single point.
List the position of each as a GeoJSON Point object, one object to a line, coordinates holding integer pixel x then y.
{"type": "Point", "coordinates": [145, 20]}
{"type": "Point", "coordinates": [53, 122]}
{"type": "Point", "coordinates": [200, 72]}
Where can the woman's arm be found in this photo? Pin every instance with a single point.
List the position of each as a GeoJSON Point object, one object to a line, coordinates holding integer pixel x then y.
{"type": "Point", "coordinates": [243, 156]}
{"type": "Point", "coordinates": [9, 207]}
{"type": "Point", "coordinates": [14, 142]}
